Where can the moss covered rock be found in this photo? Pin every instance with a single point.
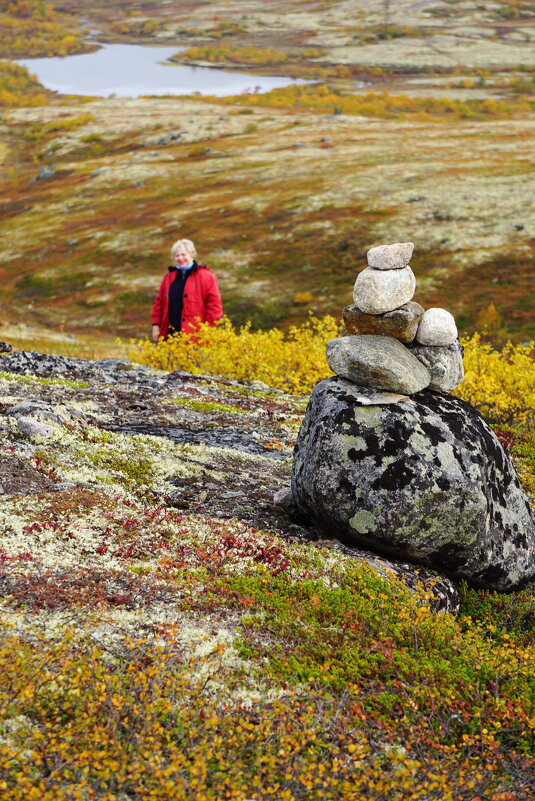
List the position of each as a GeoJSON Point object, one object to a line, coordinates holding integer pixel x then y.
{"type": "Point", "coordinates": [423, 480]}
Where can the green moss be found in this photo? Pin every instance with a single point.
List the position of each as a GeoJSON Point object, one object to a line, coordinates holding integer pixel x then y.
{"type": "Point", "coordinates": [208, 406]}
{"type": "Point", "coordinates": [137, 470]}
{"type": "Point", "coordinates": [141, 570]}
{"type": "Point", "coordinates": [32, 379]}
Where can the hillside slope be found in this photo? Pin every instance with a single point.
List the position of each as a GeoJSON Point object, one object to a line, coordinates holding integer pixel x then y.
{"type": "Point", "coordinates": [280, 203]}
{"type": "Point", "coordinates": [171, 632]}
{"type": "Point", "coordinates": [284, 192]}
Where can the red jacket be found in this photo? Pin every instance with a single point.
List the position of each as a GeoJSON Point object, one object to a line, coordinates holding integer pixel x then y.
{"type": "Point", "coordinates": [202, 301]}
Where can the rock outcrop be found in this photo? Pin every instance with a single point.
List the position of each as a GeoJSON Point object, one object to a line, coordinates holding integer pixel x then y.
{"type": "Point", "coordinates": [83, 426]}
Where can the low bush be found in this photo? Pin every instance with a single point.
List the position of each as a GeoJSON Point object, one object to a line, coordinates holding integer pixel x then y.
{"type": "Point", "coordinates": [292, 360]}
{"type": "Point", "coordinates": [65, 124]}
{"type": "Point", "coordinates": [19, 88]}
{"type": "Point", "coordinates": [236, 55]}
{"type": "Point", "coordinates": [357, 692]}
{"type": "Point", "coordinates": [500, 383]}
{"type": "Point", "coordinates": [324, 100]}
{"type": "Point", "coordinates": [33, 28]}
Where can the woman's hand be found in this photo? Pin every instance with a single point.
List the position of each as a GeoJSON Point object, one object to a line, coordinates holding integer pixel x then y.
{"type": "Point", "coordinates": [155, 333]}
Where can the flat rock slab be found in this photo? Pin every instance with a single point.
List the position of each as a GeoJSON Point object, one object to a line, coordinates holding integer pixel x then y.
{"type": "Point", "coordinates": [219, 437]}
{"type": "Point", "coordinates": [237, 480]}
{"type": "Point", "coordinates": [400, 323]}
{"type": "Point", "coordinates": [390, 257]}
{"type": "Point", "coordinates": [380, 291]}
{"type": "Point", "coordinates": [376, 362]}
{"type": "Point", "coordinates": [19, 477]}
{"type": "Point", "coordinates": [370, 397]}
{"type": "Point", "coordinates": [423, 480]}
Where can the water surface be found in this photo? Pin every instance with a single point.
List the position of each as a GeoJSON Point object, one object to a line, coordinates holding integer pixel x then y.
{"type": "Point", "coordinates": [132, 70]}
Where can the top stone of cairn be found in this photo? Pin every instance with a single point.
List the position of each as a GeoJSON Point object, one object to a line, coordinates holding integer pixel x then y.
{"type": "Point", "coordinates": [390, 257]}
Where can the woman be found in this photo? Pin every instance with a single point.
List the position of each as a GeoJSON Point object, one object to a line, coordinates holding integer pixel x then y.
{"type": "Point", "coordinates": [188, 295]}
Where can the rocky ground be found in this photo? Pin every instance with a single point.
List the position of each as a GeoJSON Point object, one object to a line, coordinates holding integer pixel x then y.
{"type": "Point", "coordinates": [108, 470]}
{"type": "Point", "coordinates": [169, 622]}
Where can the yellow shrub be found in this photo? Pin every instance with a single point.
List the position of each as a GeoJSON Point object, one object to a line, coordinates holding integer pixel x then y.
{"type": "Point", "coordinates": [303, 297]}
{"type": "Point", "coordinates": [65, 125]}
{"type": "Point", "coordinates": [237, 55]}
{"type": "Point", "coordinates": [501, 384]}
{"type": "Point", "coordinates": [292, 360]}
{"type": "Point", "coordinates": [324, 99]}
{"type": "Point", "coordinates": [33, 28]}
{"type": "Point", "coordinates": [18, 87]}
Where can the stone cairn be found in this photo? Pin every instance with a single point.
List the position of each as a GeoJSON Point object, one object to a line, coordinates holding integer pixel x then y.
{"type": "Point", "coordinates": [390, 344]}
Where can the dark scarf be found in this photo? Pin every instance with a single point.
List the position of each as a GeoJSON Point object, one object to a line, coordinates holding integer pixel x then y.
{"type": "Point", "coordinates": [176, 296]}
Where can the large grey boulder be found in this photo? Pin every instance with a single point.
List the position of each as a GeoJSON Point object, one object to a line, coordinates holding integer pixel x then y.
{"type": "Point", "coordinates": [444, 362]}
{"type": "Point", "coordinates": [377, 362]}
{"type": "Point", "coordinates": [379, 291]}
{"type": "Point", "coordinates": [423, 480]}
{"type": "Point", "coordinates": [400, 323]}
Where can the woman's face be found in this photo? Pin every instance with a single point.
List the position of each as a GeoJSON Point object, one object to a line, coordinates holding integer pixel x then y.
{"type": "Point", "coordinates": [182, 257]}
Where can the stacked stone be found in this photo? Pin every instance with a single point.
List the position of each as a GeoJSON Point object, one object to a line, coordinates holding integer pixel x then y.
{"type": "Point", "coordinates": [390, 343]}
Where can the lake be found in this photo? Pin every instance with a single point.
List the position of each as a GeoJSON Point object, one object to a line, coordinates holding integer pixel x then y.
{"type": "Point", "coordinates": [132, 70]}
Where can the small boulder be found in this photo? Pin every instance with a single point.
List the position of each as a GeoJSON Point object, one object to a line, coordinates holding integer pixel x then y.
{"type": "Point", "coordinates": [400, 323]}
{"type": "Point", "coordinates": [444, 362]}
{"type": "Point", "coordinates": [377, 363]}
{"type": "Point", "coordinates": [437, 327]}
{"type": "Point", "coordinates": [390, 257]}
{"type": "Point", "coordinates": [284, 498]}
{"type": "Point", "coordinates": [34, 428]}
{"type": "Point", "coordinates": [39, 410]}
{"type": "Point", "coordinates": [423, 480]}
{"type": "Point", "coordinates": [380, 291]}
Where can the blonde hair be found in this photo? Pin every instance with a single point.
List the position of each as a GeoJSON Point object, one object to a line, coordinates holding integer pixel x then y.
{"type": "Point", "coordinates": [187, 244]}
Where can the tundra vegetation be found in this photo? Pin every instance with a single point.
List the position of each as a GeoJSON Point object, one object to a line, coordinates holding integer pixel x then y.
{"type": "Point", "coordinates": [418, 126]}
{"type": "Point", "coordinates": [155, 651]}
{"type": "Point", "coordinates": [157, 644]}
{"type": "Point", "coordinates": [34, 28]}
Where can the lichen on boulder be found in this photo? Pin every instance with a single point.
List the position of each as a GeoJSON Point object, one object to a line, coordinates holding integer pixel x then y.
{"type": "Point", "coordinates": [423, 480]}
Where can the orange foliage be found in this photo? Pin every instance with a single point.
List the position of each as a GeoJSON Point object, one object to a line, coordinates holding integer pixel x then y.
{"type": "Point", "coordinates": [32, 28]}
